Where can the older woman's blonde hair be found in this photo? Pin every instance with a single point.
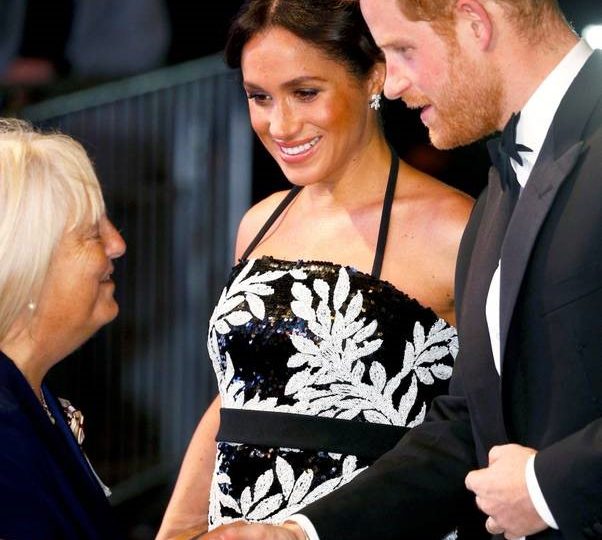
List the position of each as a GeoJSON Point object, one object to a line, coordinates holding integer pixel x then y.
{"type": "Point", "coordinates": [47, 187]}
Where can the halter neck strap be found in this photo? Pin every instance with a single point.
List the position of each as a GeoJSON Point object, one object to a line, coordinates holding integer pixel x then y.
{"type": "Point", "coordinates": [383, 230]}
{"type": "Point", "coordinates": [275, 215]}
{"type": "Point", "coordinates": [385, 217]}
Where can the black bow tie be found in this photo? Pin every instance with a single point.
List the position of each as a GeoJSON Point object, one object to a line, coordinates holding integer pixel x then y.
{"type": "Point", "coordinates": [508, 141]}
{"type": "Point", "coordinates": [504, 148]}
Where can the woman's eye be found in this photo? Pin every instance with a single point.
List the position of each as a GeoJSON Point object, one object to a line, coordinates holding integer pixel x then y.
{"type": "Point", "coordinates": [93, 233]}
{"type": "Point", "coordinates": [306, 94]}
{"type": "Point", "coordinates": [257, 97]}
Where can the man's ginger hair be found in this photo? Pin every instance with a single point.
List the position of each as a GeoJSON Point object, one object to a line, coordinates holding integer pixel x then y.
{"type": "Point", "coordinates": [531, 17]}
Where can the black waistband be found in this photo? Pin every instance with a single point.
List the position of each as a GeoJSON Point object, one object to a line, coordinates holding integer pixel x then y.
{"type": "Point", "coordinates": [286, 430]}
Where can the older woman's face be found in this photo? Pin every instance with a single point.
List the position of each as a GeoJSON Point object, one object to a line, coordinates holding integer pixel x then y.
{"type": "Point", "coordinates": [77, 295]}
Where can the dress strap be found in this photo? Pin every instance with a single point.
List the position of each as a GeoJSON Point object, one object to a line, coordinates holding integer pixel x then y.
{"type": "Point", "coordinates": [385, 216]}
{"type": "Point", "coordinates": [275, 214]}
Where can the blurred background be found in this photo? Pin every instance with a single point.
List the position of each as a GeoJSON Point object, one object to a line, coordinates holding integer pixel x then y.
{"type": "Point", "coordinates": [142, 84]}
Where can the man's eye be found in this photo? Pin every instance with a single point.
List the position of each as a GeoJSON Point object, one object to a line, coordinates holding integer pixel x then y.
{"type": "Point", "coordinates": [406, 52]}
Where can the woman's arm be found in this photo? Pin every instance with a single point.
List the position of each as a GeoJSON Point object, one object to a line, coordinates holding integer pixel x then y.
{"type": "Point", "coordinates": [189, 502]}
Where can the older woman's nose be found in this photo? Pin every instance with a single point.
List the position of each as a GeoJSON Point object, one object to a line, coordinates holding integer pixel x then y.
{"type": "Point", "coordinates": [114, 243]}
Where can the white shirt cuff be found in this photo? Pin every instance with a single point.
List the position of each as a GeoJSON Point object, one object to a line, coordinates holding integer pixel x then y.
{"type": "Point", "coordinates": [536, 495]}
{"type": "Point", "coordinates": [306, 525]}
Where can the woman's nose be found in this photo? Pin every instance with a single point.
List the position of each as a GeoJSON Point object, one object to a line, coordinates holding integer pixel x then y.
{"type": "Point", "coordinates": [114, 243]}
{"type": "Point", "coordinates": [283, 121]}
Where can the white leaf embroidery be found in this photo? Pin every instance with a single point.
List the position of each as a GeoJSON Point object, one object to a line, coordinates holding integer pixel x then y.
{"type": "Point", "coordinates": [238, 318]}
{"type": "Point", "coordinates": [256, 306]}
{"type": "Point", "coordinates": [297, 381]}
{"type": "Point", "coordinates": [323, 289]}
{"type": "Point", "coordinates": [286, 476]}
{"type": "Point", "coordinates": [378, 375]}
{"type": "Point", "coordinates": [246, 500]}
{"type": "Point", "coordinates": [301, 486]}
{"type": "Point", "coordinates": [341, 289]}
{"type": "Point", "coordinates": [304, 345]}
{"type": "Point", "coordinates": [265, 507]}
{"type": "Point", "coordinates": [263, 485]}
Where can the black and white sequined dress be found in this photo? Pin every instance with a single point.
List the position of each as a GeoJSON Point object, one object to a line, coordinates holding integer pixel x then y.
{"type": "Point", "coordinates": [321, 368]}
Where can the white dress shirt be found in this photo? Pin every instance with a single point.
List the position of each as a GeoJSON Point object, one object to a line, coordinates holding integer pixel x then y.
{"type": "Point", "coordinates": [534, 123]}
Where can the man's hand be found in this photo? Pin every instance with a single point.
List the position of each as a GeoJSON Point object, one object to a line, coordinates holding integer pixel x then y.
{"type": "Point", "coordinates": [501, 492]}
{"type": "Point", "coordinates": [241, 530]}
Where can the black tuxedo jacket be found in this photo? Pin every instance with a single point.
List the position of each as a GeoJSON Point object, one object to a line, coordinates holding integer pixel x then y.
{"type": "Point", "coordinates": [47, 488]}
{"type": "Point", "coordinates": [549, 395]}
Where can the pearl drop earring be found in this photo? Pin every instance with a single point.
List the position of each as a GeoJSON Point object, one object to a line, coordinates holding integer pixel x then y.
{"type": "Point", "coordinates": [31, 306]}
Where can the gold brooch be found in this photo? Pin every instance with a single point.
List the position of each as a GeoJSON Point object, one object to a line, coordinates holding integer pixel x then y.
{"type": "Point", "coordinates": [75, 419]}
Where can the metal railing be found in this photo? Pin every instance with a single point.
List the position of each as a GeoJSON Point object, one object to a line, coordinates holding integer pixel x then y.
{"type": "Point", "coordinates": [173, 151]}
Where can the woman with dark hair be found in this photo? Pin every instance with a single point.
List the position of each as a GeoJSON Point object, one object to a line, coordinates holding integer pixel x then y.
{"type": "Point", "coordinates": [332, 335]}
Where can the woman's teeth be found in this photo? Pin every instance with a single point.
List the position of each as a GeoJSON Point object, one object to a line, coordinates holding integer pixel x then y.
{"type": "Point", "coordinates": [295, 150]}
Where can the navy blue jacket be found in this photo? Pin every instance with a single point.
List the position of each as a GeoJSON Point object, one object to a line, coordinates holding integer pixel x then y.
{"type": "Point", "coordinates": [47, 489]}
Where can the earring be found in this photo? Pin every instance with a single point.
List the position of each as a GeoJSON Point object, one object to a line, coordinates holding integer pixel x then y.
{"type": "Point", "coordinates": [375, 101]}
{"type": "Point", "coordinates": [31, 305]}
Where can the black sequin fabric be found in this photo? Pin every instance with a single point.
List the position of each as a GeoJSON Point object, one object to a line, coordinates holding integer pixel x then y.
{"type": "Point", "coordinates": [318, 339]}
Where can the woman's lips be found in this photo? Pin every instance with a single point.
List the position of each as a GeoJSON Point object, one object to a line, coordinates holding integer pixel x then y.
{"type": "Point", "coordinates": [292, 153]}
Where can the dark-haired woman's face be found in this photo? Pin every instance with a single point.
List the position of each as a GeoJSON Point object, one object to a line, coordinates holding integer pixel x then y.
{"type": "Point", "coordinates": [312, 115]}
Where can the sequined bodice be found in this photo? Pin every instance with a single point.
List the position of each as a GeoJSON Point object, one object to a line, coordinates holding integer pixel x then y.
{"type": "Point", "coordinates": [322, 340]}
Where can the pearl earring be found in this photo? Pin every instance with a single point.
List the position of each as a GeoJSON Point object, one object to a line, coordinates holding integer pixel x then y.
{"type": "Point", "coordinates": [375, 101]}
{"type": "Point", "coordinates": [31, 305]}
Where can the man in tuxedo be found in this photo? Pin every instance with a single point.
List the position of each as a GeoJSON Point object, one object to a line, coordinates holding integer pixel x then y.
{"type": "Point", "coordinates": [520, 432]}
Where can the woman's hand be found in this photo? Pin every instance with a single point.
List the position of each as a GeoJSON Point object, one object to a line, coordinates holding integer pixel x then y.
{"type": "Point", "coordinates": [241, 530]}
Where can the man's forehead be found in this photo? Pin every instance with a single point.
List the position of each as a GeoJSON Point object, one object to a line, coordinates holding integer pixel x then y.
{"type": "Point", "coordinates": [386, 21]}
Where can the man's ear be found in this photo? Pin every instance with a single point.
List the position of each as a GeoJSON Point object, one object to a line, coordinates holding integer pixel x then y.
{"type": "Point", "coordinates": [474, 22]}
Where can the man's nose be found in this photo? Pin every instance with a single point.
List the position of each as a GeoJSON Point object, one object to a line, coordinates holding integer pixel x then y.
{"type": "Point", "coordinates": [396, 83]}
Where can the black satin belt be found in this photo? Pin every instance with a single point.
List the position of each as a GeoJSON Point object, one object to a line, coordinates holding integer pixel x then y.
{"type": "Point", "coordinates": [287, 430]}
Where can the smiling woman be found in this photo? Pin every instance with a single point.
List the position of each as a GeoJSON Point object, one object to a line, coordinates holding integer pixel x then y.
{"type": "Point", "coordinates": [333, 333]}
{"type": "Point", "coordinates": [57, 248]}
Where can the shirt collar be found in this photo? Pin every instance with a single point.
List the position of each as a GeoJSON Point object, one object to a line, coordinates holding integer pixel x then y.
{"type": "Point", "coordinates": [538, 113]}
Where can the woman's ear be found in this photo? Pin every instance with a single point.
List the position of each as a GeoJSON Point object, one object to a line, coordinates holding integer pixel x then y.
{"type": "Point", "coordinates": [377, 78]}
{"type": "Point", "coordinates": [474, 22]}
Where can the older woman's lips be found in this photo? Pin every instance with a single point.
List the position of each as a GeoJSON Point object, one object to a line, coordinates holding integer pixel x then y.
{"type": "Point", "coordinates": [107, 276]}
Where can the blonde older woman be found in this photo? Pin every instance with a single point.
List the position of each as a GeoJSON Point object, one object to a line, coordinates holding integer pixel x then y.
{"type": "Point", "coordinates": [57, 248]}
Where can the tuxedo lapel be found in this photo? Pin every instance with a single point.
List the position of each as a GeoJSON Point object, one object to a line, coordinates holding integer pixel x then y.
{"type": "Point", "coordinates": [475, 342]}
{"type": "Point", "coordinates": [558, 157]}
{"type": "Point", "coordinates": [524, 226]}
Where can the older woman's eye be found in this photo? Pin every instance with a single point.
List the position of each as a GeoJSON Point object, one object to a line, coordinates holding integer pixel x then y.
{"type": "Point", "coordinates": [307, 94]}
{"type": "Point", "coordinates": [93, 233]}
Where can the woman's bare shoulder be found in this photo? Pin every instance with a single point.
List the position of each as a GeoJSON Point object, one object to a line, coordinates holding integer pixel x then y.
{"type": "Point", "coordinates": [444, 209]}
{"type": "Point", "coordinates": [254, 219]}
